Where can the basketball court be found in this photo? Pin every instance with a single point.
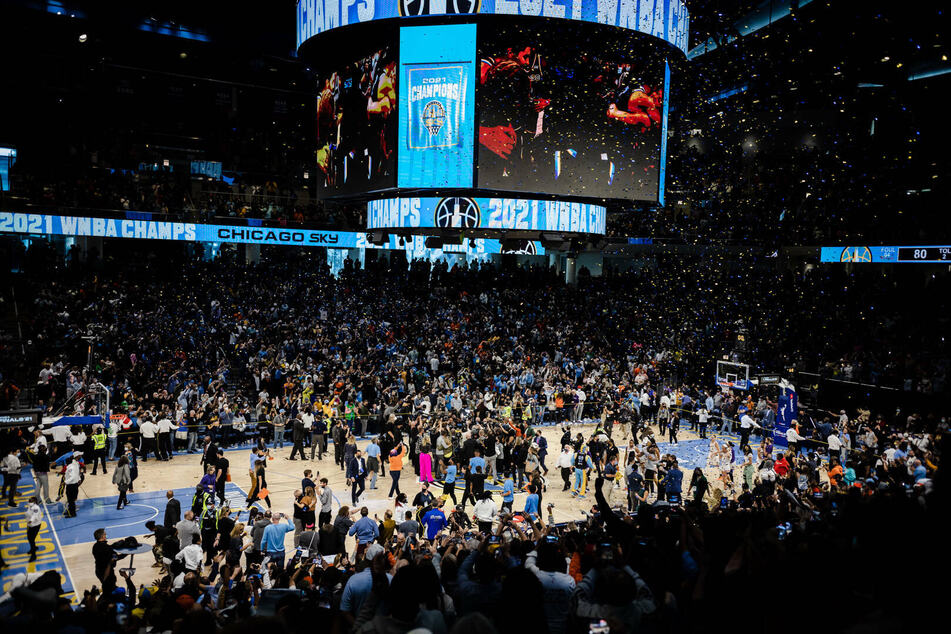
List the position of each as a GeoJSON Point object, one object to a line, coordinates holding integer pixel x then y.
{"type": "Point", "coordinates": [65, 544]}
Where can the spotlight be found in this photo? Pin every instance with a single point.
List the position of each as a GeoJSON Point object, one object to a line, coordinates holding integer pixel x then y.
{"type": "Point", "coordinates": [82, 37]}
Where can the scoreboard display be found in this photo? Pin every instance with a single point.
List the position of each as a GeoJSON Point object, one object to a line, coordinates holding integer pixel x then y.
{"type": "Point", "coordinates": [924, 254]}
{"type": "Point", "coordinates": [930, 254]}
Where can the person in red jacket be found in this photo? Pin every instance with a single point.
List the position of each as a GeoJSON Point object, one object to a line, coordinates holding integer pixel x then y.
{"type": "Point", "coordinates": [781, 467]}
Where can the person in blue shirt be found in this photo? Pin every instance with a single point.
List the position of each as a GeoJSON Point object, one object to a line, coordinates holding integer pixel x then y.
{"type": "Point", "coordinates": [207, 481]}
{"type": "Point", "coordinates": [919, 473]}
{"type": "Point", "coordinates": [476, 461]}
{"type": "Point", "coordinates": [673, 481]}
{"type": "Point", "coordinates": [359, 587]}
{"type": "Point", "coordinates": [365, 530]}
{"type": "Point", "coordinates": [373, 460]}
{"type": "Point", "coordinates": [531, 503]}
{"type": "Point", "coordinates": [272, 541]}
{"type": "Point", "coordinates": [434, 521]}
{"type": "Point", "coordinates": [449, 483]}
{"type": "Point", "coordinates": [508, 494]}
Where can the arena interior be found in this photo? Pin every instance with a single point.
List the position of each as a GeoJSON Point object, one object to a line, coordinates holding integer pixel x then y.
{"type": "Point", "coordinates": [390, 316]}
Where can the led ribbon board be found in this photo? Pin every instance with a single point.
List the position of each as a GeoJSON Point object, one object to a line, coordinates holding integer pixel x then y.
{"type": "Point", "coordinates": [665, 19]}
{"type": "Point", "coordinates": [460, 212]}
{"type": "Point", "coordinates": [84, 226]}
{"type": "Point", "coordinates": [931, 254]}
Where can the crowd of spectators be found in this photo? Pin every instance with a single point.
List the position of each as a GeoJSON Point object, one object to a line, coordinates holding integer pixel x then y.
{"type": "Point", "coordinates": [434, 359]}
{"type": "Point", "coordinates": [662, 556]}
{"type": "Point", "coordinates": [163, 327]}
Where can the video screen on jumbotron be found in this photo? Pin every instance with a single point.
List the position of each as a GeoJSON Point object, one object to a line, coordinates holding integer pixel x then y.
{"type": "Point", "coordinates": [357, 119]}
{"type": "Point", "coordinates": [568, 108]}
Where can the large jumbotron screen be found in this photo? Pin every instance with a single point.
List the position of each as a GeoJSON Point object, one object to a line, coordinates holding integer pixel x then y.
{"type": "Point", "coordinates": [492, 106]}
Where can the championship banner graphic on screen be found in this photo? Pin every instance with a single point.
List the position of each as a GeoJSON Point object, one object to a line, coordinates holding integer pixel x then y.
{"type": "Point", "coordinates": [460, 212]}
{"type": "Point", "coordinates": [437, 106]}
{"type": "Point", "coordinates": [665, 19]}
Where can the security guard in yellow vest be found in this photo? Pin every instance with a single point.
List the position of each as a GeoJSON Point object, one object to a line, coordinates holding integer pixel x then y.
{"type": "Point", "coordinates": [99, 439]}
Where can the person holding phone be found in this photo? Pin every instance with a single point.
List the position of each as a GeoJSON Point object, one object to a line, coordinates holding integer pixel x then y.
{"type": "Point", "coordinates": [272, 541]}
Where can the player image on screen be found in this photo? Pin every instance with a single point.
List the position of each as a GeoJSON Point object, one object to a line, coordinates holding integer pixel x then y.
{"type": "Point", "coordinates": [356, 124]}
{"type": "Point", "coordinates": [579, 120]}
{"type": "Point", "coordinates": [517, 117]}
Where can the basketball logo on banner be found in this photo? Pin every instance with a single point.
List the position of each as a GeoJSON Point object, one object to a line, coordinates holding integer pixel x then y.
{"type": "Point", "coordinates": [856, 254]}
{"type": "Point", "coordinates": [457, 213]}
{"type": "Point", "coordinates": [434, 117]}
{"type": "Point", "coordinates": [413, 8]}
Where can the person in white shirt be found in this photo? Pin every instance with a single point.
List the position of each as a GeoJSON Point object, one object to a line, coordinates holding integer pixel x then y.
{"type": "Point", "coordinates": [566, 460]}
{"type": "Point", "coordinates": [60, 435]}
{"type": "Point", "coordinates": [239, 424]}
{"type": "Point", "coordinates": [793, 438]}
{"type": "Point", "coordinates": [71, 479]}
{"type": "Point", "coordinates": [746, 426]}
{"type": "Point", "coordinates": [11, 476]}
{"type": "Point", "coordinates": [165, 429]}
{"type": "Point", "coordinates": [191, 555]}
{"type": "Point", "coordinates": [835, 445]}
{"type": "Point", "coordinates": [112, 438]}
{"type": "Point", "coordinates": [77, 438]}
{"type": "Point", "coordinates": [148, 429]}
{"type": "Point", "coordinates": [703, 419]}
{"type": "Point", "coordinates": [39, 440]}
{"type": "Point", "coordinates": [579, 407]}
{"type": "Point", "coordinates": [34, 520]}
{"type": "Point", "coordinates": [485, 512]}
